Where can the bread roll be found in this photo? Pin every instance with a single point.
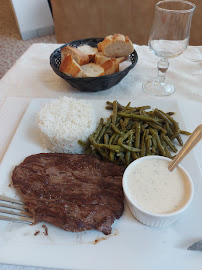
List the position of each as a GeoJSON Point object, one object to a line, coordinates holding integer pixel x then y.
{"type": "Point", "coordinates": [92, 70]}
{"type": "Point", "coordinates": [88, 50]}
{"type": "Point", "coordinates": [80, 57]}
{"type": "Point", "coordinates": [116, 46]}
{"type": "Point", "coordinates": [110, 64]}
{"type": "Point", "coordinates": [70, 67]}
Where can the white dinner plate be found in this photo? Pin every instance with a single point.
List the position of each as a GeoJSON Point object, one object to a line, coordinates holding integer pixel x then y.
{"type": "Point", "coordinates": [131, 244]}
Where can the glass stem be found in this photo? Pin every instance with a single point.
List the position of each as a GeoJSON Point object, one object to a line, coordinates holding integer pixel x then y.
{"type": "Point", "coordinates": [162, 65]}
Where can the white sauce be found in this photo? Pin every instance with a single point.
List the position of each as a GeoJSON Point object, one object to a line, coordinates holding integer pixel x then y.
{"type": "Point", "coordinates": [157, 190]}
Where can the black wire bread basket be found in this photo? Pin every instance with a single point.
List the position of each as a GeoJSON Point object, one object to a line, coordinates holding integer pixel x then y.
{"type": "Point", "coordinates": [90, 84]}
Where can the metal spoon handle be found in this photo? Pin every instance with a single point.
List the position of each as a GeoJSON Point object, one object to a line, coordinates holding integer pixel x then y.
{"type": "Point", "coordinates": [194, 138]}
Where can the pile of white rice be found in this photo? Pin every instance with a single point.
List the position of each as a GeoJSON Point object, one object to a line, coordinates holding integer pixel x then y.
{"type": "Point", "coordinates": [63, 122]}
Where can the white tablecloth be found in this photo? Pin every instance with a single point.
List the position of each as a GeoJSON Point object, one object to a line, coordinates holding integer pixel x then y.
{"type": "Point", "coordinates": [32, 76]}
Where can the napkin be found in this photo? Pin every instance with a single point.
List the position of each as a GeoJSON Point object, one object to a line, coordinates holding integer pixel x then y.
{"type": "Point", "coordinates": [11, 112]}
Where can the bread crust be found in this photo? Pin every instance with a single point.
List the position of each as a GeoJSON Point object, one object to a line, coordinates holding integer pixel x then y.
{"type": "Point", "coordinates": [90, 51]}
{"type": "Point", "coordinates": [93, 70]}
{"type": "Point", "coordinates": [70, 67]}
{"type": "Point", "coordinates": [110, 64]}
{"type": "Point", "coordinates": [111, 44]}
{"type": "Point", "coordinates": [80, 57]}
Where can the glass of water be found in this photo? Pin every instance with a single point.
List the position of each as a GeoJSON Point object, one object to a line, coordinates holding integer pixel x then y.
{"type": "Point", "coordinates": [169, 37]}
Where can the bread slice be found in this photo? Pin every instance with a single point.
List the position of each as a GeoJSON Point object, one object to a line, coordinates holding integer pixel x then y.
{"type": "Point", "coordinates": [90, 51]}
{"type": "Point", "coordinates": [116, 46]}
{"type": "Point", "coordinates": [70, 67]}
{"type": "Point", "coordinates": [80, 57]}
{"type": "Point", "coordinates": [109, 67]}
{"type": "Point", "coordinates": [92, 70]}
{"type": "Point", "coordinates": [99, 46]}
{"type": "Point", "coordinates": [110, 64]}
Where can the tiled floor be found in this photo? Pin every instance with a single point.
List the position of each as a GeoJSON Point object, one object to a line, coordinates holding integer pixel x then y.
{"type": "Point", "coordinates": [11, 44]}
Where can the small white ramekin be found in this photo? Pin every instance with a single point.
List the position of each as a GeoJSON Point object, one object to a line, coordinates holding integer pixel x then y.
{"type": "Point", "coordinates": [145, 217]}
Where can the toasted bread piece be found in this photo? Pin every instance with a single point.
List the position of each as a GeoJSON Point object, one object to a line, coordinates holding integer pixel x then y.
{"type": "Point", "coordinates": [116, 46]}
{"type": "Point", "coordinates": [90, 51]}
{"type": "Point", "coordinates": [110, 64]}
{"type": "Point", "coordinates": [99, 46]}
{"type": "Point", "coordinates": [109, 67]}
{"type": "Point", "coordinates": [100, 58]}
{"type": "Point", "coordinates": [80, 57]}
{"type": "Point", "coordinates": [70, 67]}
{"type": "Point", "coordinates": [92, 70]}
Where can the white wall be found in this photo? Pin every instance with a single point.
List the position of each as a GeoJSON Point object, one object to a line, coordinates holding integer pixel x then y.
{"type": "Point", "coordinates": [33, 18]}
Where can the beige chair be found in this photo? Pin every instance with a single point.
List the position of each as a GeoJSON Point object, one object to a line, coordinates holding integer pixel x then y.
{"type": "Point", "coordinates": [78, 19]}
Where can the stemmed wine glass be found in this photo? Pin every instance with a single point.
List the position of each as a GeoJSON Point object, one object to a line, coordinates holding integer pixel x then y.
{"type": "Point", "coordinates": [169, 37]}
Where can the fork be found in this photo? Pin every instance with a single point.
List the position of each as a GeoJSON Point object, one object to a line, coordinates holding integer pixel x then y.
{"type": "Point", "coordinates": [18, 212]}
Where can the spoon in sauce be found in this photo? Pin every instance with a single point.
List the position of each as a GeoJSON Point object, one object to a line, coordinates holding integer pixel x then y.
{"type": "Point", "coordinates": [193, 139]}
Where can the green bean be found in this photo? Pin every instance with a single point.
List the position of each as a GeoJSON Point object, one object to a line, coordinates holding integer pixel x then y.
{"type": "Point", "coordinates": [157, 126]}
{"type": "Point", "coordinates": [163, 116]}
{"type": "Point", "coordinates": [122, 125]}
{"type": "Point", "coordinates": [128, 148]}
{"type": "Point", "coordinates": [104, 129]}
{"type": "Point", "coordinates": [144, 126]}
{"type": "Point", "coordinates": [185, 132]}
{"type": "Point", "coordinates": [109, 108]}
{"type": "Point", "coordinates": [167, 152]}
{"type": "Point", "coordinates": [128, 153]}
{"type": "Point", "coordinates": [174, 126]}
{"type": "Point", "coordinates": [97, 131]}
{"type": "Point", "coordinates": [115, 141]}
{"type": "Point", "coordinates": [169, 143]}
{"type": "Point", "coordinates": [82, 143]}
{"type": "Point", "coordinates": [120, 107]}
{"type": "Point", "coordinates": [115, 129]}
{"type": "Point", "coordinates": [137, 134]}
{"type": "Point", "coordinates": [114, 115]}
{"type": "Point", "coordinates": [138, 117]}
{"type": "Point", "coordinates": [106, 138]}
{"type": "Point", "coordinates": [102, 153]}
{"type": "Point", "coordinates": [109, 130]}
{"type": "Point", "coordinates": [153, 131]}
{"type": "Point", "coordinates": [143, 107]}
{"type": "Point", "coordinates": [125, 136]}
{"type": "Point", "coordinates": [111, 153]}
{"type": "Point", "coordinates": [143, 147]}
{"type": "Point", "coordinates": [170, 113]}
{"type": "Point", "coordinates": [125, 122]}
{"type": "Point", "coordinates": [126, 107]}
{"type": "Point", "coordinates": [160, 146]}
{"type": "Point", "coordinates": [148, 144]}
{"type": "Point", "coordinates": [154, 145]}
{"type": "Point", "coordinates": [142, 112]}
{"type": "Point", "coordinates": [134, 155]}
{"type": "Point", "coordinates": [112, 138]}
{"type": "Point", "coordinates": [176, 131]}
{"type": "Point", "coordinates": [109, 103]}
{"type": "Point", "coordinates": [178, 137]}
{"type": "Point", "coordinates": [115, 148]}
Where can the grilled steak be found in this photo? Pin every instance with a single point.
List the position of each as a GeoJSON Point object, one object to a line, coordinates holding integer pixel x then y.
{"type": "Point", "coordinates": [73, 192]}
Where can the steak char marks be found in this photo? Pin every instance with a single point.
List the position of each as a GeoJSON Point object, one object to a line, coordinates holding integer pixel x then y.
{"type": "Point", "coordinates": [74, 192]}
